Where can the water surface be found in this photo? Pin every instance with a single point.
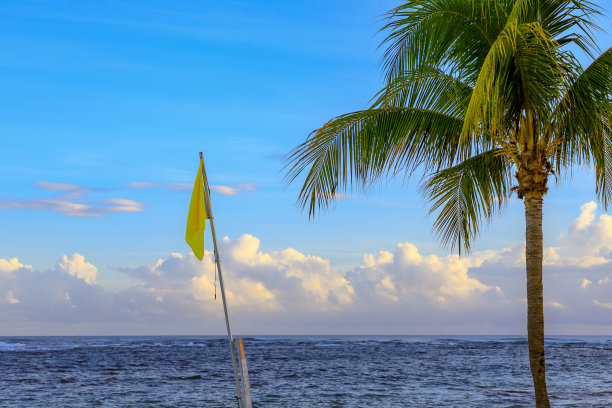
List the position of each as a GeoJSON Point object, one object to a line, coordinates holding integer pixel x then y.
{"type": "Point", "coordinates": [300, 371]}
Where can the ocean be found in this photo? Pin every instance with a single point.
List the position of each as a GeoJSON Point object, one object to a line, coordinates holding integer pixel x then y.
{"type": "Point", "coordinates": [300, 371]}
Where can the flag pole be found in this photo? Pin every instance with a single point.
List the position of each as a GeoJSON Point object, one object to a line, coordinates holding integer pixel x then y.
{"type": "Point", "coordinates": [218, 263]}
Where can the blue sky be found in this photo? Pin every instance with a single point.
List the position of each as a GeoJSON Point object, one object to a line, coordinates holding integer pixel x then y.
{"type": "Point", "coordinates": [106, 106]}
{"type": "Point", "coordinates": [130, 92]}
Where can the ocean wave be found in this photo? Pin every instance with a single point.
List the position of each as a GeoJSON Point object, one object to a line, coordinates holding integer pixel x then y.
{"type": "Point", "coordinates": [67, 343]}
{"type": "Point", "coordinates": [11, 346]}
{"type": "Point", "coordinates": [21, 346]}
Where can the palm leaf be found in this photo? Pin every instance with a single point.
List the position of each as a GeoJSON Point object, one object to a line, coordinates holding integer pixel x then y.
{"type": "Point", "coordinates": [430, 89]}
{"type": "Point", "coordinates": [582, 121]}
{"type": "Point", "coordinates": [455, 34]}
{"type": "Point", "coordinates": [467, 194]}
{"type": "Point", "coordinates": [361, 147]}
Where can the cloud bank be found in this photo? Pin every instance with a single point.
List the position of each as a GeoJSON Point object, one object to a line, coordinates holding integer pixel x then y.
{"type": "Point", "coordinates": [400, 290]}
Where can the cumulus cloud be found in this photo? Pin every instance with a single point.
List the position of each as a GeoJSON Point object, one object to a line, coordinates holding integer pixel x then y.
{"type": "Point", "coordinates": [30, 299]}
{"type": "Point", "coordinates": [588, 241]}
{"type": "Point", "coordinates": [276, 281]}
{"type": "Point", "coordinates": [406, 274]}
{"type": "Point", "coordinates": [394, 290]}
{"type": "Point", "coordinates": [10, 265]}
{"type": "Point", "coordinates": [76, 265]}
{"type": "Point", "coordinates": [278, 291]}
{"type": "Point", "coordinates": [587, 244]}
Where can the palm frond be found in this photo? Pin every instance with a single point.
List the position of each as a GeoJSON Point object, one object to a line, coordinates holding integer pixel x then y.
{"type": "Point", "coordinates": [467, 194]}
{"type": "Point", "coordinates": [582, 122]}
{"type": "Point", "coordinates": [359, 148]}
{"type": "Point", "coordinates": [430, 89]}
{"type": "Point", "coordinates": [524, 72]}
{"type": "Point", "coordinates": [473, 88]}
{"type": "Point", "coordinates": [603, 167]}
{"type": "Point", "coordinates": [455, 34]}
{"type": "Point", "coordinates": [571, 22]}
{"type": "Point", "coordinates": [486, 108]}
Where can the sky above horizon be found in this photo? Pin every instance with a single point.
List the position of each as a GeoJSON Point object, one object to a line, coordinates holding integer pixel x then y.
{"type": "Point", "coordinates": [108, 104]}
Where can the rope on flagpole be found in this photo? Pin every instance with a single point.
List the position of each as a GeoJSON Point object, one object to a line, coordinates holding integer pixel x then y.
{"type": "Point", "coordinates": [221, 286]}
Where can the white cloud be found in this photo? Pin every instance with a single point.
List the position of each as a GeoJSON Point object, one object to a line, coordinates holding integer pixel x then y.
{"type": "Point", "coordinates": [407, 274]}
{"type": "Point", "coordinates": [293, 279]}
{"type": "Point", "coordinates": [231, 190]}
{"type": "Point", "coordinates": [67, 207]}
{"type": "Point", "coordinates": [587, 244]}
{"type": "Point", "coordinates": [10, 298]}
{"type": "Point", "coordinates": [76, 265]}
{"type": "Point", "coordinates": [76, 209]}
{"type": "Point", "coordinates": [225, 190]}
{"type": "Point", "coordinates": [512, 256]}
{"type": "Point", "coordinates": [66, 203]}
{"type": "Point", "coordinates": [277, 291]}
{"type": "Point", "coordinates": [400, 290]}
{"type": "Point", "coordinates": [12, 264]}
{"type": "Point", "coordinates": [588, 241]}
{"type": "Point", "coordinates": [234, 189]}
{"type": "Point", "coordinates": [122, 205]}
{"type": "Point", "coordinates": [69, 191]}
{"type": "Point", "coordinates": [45, 185]}
{"type": "Point", "coordinates": [323, 283]}
{"type": "Point", "coordinates": [603, 304]}
{"type": "Point", "coordinates": [552, 303]}
{"type": "Point", "coordinates": [586, 217]}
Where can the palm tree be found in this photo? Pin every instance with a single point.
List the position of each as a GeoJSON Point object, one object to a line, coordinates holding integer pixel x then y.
{"type": "Point", "coordinates": [477, 91]}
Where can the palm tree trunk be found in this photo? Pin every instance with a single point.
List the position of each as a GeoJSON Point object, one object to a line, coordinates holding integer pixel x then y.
{"type": "Point", "coordinates": [535, 300]}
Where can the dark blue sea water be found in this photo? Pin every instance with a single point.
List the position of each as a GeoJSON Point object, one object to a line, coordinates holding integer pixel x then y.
{"type": "Point", "coordinates": [300, 371]}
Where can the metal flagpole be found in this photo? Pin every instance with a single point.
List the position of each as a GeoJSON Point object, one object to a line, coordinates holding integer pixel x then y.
{"type": "Point", "coordinates": [218, 262]}
{"type": "Point", "coordinates": [246, 384]}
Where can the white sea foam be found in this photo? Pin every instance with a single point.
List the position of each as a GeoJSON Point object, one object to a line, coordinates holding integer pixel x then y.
{"type": "Point", "coordinates": [11, 346]}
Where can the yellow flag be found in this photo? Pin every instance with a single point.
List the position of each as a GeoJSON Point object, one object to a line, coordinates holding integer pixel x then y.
{"type": "Point", "coordinates": [196, 217]}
